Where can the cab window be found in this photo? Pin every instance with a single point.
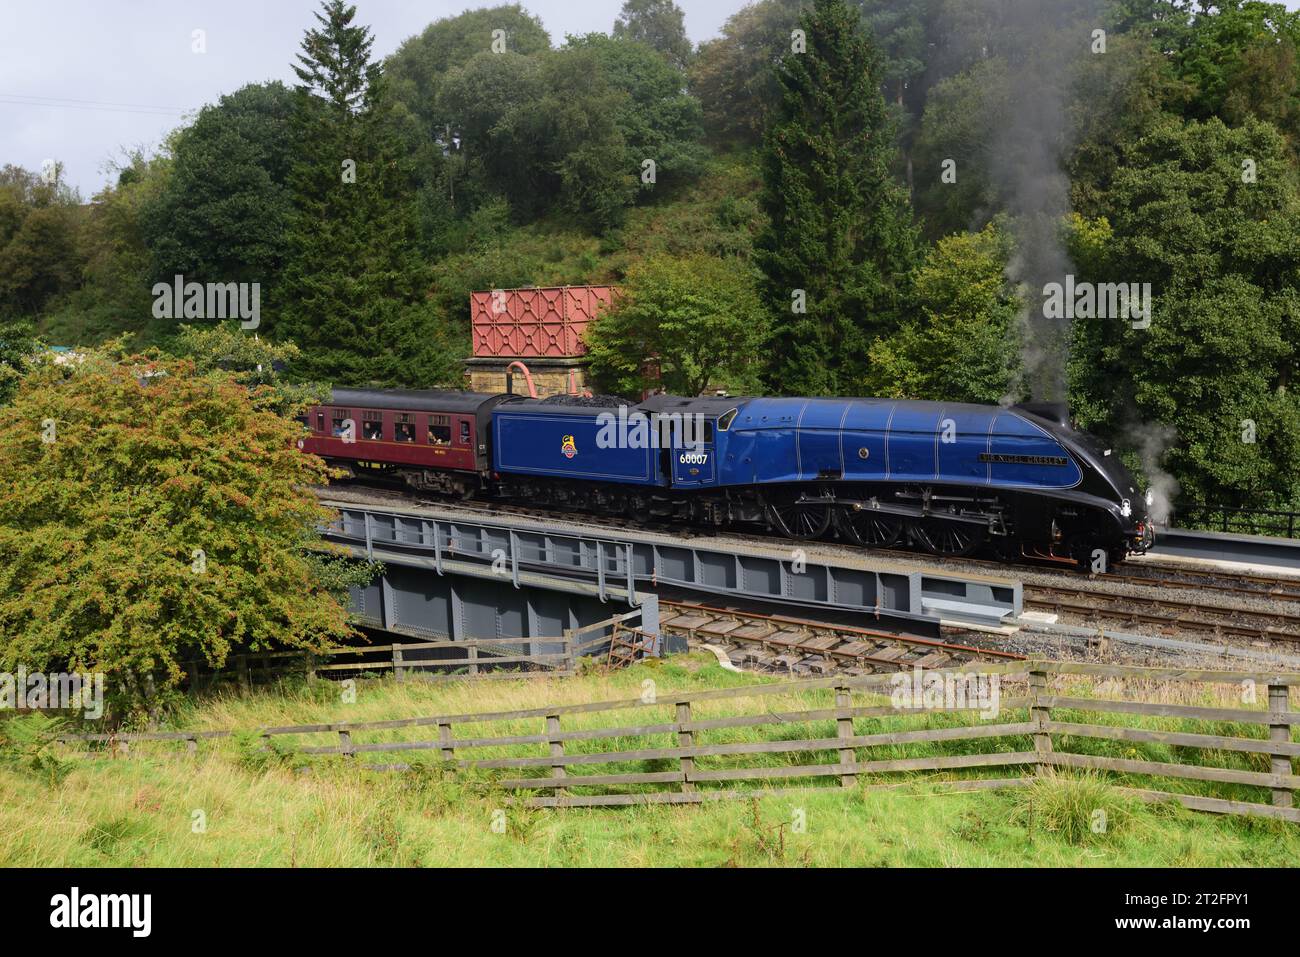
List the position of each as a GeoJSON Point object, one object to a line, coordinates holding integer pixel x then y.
{"type": "Point", "coordinates": [725, 420]}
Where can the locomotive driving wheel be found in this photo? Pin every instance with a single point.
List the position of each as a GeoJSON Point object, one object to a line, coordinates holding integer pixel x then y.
{"type": "Point", "coordinates": [952, 539]}
{"type": "Point", "coordinates": [871, 529]}
{"type": "Point", "coordinates": [801, 519]}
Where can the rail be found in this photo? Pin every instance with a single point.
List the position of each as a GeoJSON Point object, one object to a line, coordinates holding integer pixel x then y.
{"type": "Point", "coordinates": [1245, 521]}
{"type": "Point", "coordinates": [501, 657]}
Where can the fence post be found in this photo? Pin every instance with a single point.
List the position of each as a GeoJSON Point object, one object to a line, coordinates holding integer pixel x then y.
{"type": "Point", "coordinates": [398, 672]}
{"type": "Point", "coordinates": [473, 659]}
{"type": "Point", "coordinates": [448, 750]}
{"type": "Point", "coordinates": [345, 742]}
{"type": "Point", "coordinates": [1278, 702]}
{"type": "Point", "coordinates": [686, 739]}
{"type": "Point", "coordinates": [245, 678]}
{"type": "Point", "coordinates": [192, 746]}
{"type": "Point", "coordinates": [557, 749]}
{"type": "Point", "coordinates": [844, 730]}
{"type": "Point", "coordinates": [1039, 715]}
{"type": "Point", "coordinates": [570, 665]}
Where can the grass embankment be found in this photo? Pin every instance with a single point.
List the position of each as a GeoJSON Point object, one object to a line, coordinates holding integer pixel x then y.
{"type": "Point", "coordinates": [256, 809]}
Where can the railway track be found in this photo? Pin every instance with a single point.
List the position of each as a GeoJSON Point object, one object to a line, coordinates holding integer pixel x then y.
{"type": "Point", "coordinates": [786, 644]}
{"type": "Point", "coordinates": [1171, 615]}
{"type": "Point", "coordinates": [1234, 583]}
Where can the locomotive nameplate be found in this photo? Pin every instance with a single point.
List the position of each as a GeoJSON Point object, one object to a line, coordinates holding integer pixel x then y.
{"type": "Point", "coordinates": [1002, 458]}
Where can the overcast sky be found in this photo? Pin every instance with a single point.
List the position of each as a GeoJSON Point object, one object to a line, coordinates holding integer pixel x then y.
{"type": "Point", "coordinates": [81, 79]}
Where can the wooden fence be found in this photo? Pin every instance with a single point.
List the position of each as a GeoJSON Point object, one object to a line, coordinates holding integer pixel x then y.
{"type": "Point", "coordinates": [664, 757]}
{"type": "Point", "coordinates": [436, 660]}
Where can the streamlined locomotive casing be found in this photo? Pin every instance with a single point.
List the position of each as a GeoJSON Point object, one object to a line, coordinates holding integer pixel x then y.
{"type": "Point", "coordinates": [1016, 466]}
{"type": "Point", "coordinates": [876, 440]}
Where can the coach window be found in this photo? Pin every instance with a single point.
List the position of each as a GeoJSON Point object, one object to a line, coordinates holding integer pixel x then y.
{"type": "Point", "coordinates": [439, 430]}
{"type": "Point", "coordinates": [320, 422]}
{"type": "Point", "coordinates": [403, 427]}
{"type": "Point", "coordinates": [464, 432]}
{"type": "Point", "coordinates": [340, 418]}
{"type": "Point", "coordinates": [372, 428]}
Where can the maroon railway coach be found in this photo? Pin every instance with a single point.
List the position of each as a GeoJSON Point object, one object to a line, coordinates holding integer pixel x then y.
{"type": "Point", "coordinates": [436, 440]}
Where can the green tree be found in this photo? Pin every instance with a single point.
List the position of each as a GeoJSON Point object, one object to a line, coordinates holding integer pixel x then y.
{"type": "Point", "coordinates": [422, 63]}
{"type": "Point", "coordinates": [583, 153]}
{"type": "Point", "coordinates": [222, 214]}
{"type": "Point", "coordinates": [39, 255]}
{"type": "Point", "coordinates": [733, 75]}
{"type": "Point", "coordinates": [1222, 254]}
{"type": "Point", "coordinates": [17, 348]}
{"type": "Point", "coordinates": [840, 244]}
{"type": "Point", "coordinates": [250, 360]}
{"type": "Point", "coordinates": [450, 180]}
{"type": "Point", "coordinates": [150, 515]}
{"type": "Point", "coordinates": [114, 292]}
{"type": "Point", "coordinates": [353, 289]}
{"type": "Point", "coordinates": [955, 135]}
{"type": "Point", "coordinates": [1242, 59]}
{"type": "Point", "coordinates": [659, 25]}
{"type": "Point", "coordinates": [697, 318]}
{"type": "Point", "coordinates": [906, 32]}
{"type": "Point", "coordinates": [41, 261]}
{"type": "Point", "coordinates": [489, 103]}
{"type": "Point", "coordinates": [657, 119]}
{"type": "Point", "coordinates": [962, 344]}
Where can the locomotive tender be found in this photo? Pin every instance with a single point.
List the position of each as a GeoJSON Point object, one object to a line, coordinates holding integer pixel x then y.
{"type": "Point", "coordinates": [946, 477]}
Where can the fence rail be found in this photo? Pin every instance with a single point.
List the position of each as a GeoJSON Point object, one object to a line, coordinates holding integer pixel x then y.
{"type": "Point", "coordinates": [1247, 521]}
{"type": "Point", "coordinates": [1032, 732]}
{"type": "Point", "coordinates": [442, 659]}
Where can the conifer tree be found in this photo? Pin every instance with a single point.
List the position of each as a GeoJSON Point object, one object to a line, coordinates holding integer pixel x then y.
{"type": "Point", "coordinates": [840, 243]}
{"type": "Point", "coordinates": [354, 285]}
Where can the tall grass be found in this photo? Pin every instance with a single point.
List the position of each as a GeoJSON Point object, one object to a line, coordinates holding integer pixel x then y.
{"type": "Point", "coordinates": [233, 804]}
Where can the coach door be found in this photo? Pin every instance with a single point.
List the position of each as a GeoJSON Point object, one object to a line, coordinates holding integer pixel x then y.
{"type": "Point", "coordinates": [693, 461]}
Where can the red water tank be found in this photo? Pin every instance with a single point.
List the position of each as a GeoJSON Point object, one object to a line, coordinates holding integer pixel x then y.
{"type": "Point", "coordinates": [536, 322]}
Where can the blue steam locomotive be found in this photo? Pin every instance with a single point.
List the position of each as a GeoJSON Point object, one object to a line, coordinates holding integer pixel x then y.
{"type": "Point", "coordinates": [945, 477]}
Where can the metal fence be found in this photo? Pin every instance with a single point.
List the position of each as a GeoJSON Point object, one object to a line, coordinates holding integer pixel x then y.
{"type": "Point", "coordinates": [1242, 521]}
